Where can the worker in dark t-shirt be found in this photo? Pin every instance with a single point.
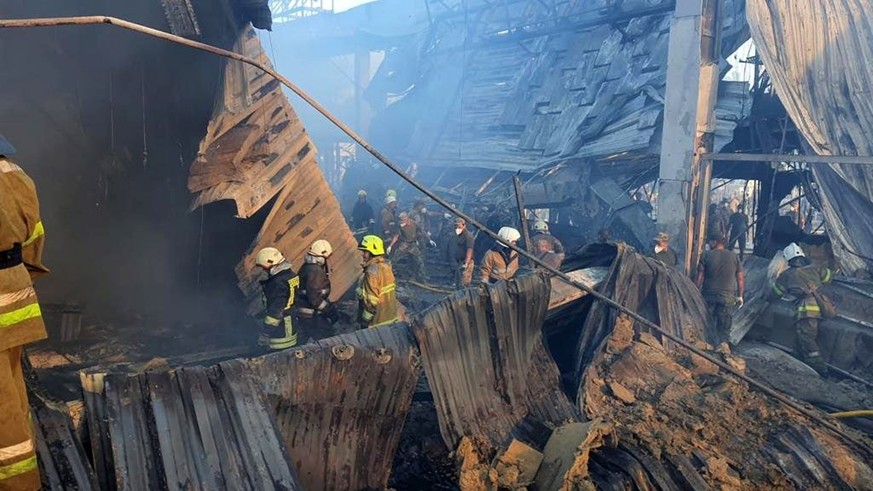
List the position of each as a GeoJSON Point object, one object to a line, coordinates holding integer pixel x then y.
{"type": "Point", "coordinates": [722, 282]}
{"type": "Point", "coordinates": [460, 252]}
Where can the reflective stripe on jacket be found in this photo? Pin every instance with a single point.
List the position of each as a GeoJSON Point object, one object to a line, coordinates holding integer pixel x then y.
{"type": "Point", "coordinates": [20, 316]}
{"type": "Point", "coordinates": [800, 283]}
{"type": "Point", "coordinates": [376, 296]}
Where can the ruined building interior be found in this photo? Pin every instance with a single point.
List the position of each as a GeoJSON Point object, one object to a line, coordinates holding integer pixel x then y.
{"type": "Point", "coordinates": [162, 170]}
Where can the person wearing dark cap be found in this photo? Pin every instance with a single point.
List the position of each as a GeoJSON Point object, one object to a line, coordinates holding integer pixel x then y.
{"type": "Point", "coordinates": [722, 282]}
{"type": "Point", "coordinates": [663, 252]}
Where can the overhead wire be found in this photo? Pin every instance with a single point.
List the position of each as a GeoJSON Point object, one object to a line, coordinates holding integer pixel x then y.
{"type": "Point", "coordinates": [90, 20]}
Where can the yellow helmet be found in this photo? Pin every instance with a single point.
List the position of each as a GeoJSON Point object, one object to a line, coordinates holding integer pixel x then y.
{"type": "Point", "coordinates": [541, 226]}
{"type": "Point", "coordinates": [269, 257]}
{"type": "Point", "coordinates": [320, 248]}
{"type": "Point", "coordinates": [391, 192]}
{"type": "Point", "coordinates": [372, 244]}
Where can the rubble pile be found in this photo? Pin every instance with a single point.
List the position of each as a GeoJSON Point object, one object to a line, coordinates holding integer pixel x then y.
{"type": "Point", "coordinates": [699, 426]}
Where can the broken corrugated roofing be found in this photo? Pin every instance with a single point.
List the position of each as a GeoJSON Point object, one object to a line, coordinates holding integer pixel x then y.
{"type": "Point", "coordinates": [191, 428]}
{"type": "Point", "coordinates": [255, 149]}
{"type": "Point", "coordinates": [821, 72]}
{"type": "Point", "coordinates": [557, 93]}
{"type": "Point", "coordinates": [491, 376]}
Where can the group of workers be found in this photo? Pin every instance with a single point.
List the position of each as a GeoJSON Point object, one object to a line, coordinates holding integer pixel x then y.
{"type": "Point", "coordinates": [722, 283]}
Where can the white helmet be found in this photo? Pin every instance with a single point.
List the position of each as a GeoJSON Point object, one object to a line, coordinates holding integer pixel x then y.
{"type": "Point", "coordinates": [390, 199]}
{"type": "Point", "coordinates": [320, 248]}
{"type": "Point", "coordinates": [541, 226]}
{"type": "Point", "coordinates": [269, 257]}
{"type": "Point", "coordinates": [792, 251]}
{"type": "Point", "coordinates": [508, 235]}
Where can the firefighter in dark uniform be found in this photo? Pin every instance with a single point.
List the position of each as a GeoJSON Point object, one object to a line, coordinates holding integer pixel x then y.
{"type": "Point", "coordinates": [277, 331]}
{"type": "Point", "coordinates": [314, 309]}
{"type": "Point", "coordinates": [801, 280]}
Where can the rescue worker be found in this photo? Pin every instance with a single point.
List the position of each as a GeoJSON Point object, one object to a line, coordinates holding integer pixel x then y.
{"type": "Point", "coordinates": [722, 282]}
{"type": "Point", "coordinates": [542, 232]}
{"type": "Point", "coordinates": [362, 214]}
{"type": "Point", "coordinates": [280, 290]}
{"type": "Point", "coordinates": [663, 252]}
{"type": "Point", "coordinates": [739, 224]}
{"type": "Point", "coordinates": [409, 237]}
{"type": "Point", "coordinates": [800, 280]}
{"type": "Point", "coordinates": [377, 301]}
{"type": "Point", "coordinates": [544, 252]}
{"type": "Point", "coordinates": [21, 245]}
{"type": "Point", "coordinates": [314, 308]}
{"type": "Point", "coordinates": [388, 218]}
{"type": "Point", "coordinates": [460, 253]}
{"type": "Point", "coordinates": [500, 262]}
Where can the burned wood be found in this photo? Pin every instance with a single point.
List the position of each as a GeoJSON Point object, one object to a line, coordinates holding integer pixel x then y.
{"type": "Point", "coordinates": [62, 459]}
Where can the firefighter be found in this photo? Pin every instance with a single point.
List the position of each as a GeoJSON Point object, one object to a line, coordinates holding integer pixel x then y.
{"type": "Point", "coordinates": [409, 236]}
{"type": "Point", "coordinates": [541, 229]}
{"type": "Point", "coordinates": [21, 246]}
{"type": "Point", "coordinates": [280, 287]}
{"type": "Point", "coordinates": [377, 301]}
{"type": "Point", "coordinates": [388, 218]}
{"type": "Point", "coordinates": [362, 214]}
{"type": "Point", "coordinates": [314, 309]}
{"type": "Point", "coordinates": [801, 280]}
{"type": "Point", "coordinates": [460, 253]}
{"type": "Point", "coordinates": [500, 262]}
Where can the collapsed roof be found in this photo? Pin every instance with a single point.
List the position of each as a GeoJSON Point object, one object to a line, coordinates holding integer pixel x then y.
{"type": "Point", "coordinates": [820, 71]}
{"type": "Point", "coordinates": [514, 85]}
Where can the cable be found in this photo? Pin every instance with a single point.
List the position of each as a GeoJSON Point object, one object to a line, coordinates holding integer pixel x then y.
{"type": "Point", "coordinates": [89, 20]}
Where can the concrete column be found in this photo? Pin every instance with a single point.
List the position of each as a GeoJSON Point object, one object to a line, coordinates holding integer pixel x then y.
{"type": "Point", "coordinates": [689, 123]}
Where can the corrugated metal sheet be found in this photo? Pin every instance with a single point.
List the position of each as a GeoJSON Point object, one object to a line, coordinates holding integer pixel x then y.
{"type": "Point", "coordinates": [254, 140]}
{"type": "Point", "coordinates": [821, 72]}
{"type": "Point", "coordinates": [591, 92]}
{"type": "Point", "coordinates": [341, 403]}
{"type": "Point", "coordinates": [659, 293]}
{"type": "Point", "coordinates": [484, 358]}
{"type": "Point", "coordinates": [257, 148]}
{"type": "Point", "coordinates": [63, 462]}
{"type": "Point", "coordinates": [191, 428]}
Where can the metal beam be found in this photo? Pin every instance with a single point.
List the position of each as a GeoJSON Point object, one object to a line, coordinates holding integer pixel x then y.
{"type": "Point", "coordinates": [772, 157]}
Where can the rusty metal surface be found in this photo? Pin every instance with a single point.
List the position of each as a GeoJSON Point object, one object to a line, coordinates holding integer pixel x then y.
{"type": "Point", "coordinates": [340, 404]}
{"type": "Point", "coordinates": [256, 149]}
{"type": "Point", "coordinates": [491, 376]}
{"type": "Point", "coordinates": [191, 428]}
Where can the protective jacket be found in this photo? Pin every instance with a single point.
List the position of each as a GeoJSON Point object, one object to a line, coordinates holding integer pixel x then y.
{"type": "Point", "coordinates": [557, 247]}
{"type": "Point", "coordinates": [800, 283]}
{"type": "Point", "coordinates": [377, 299]}
{"type": "Point", "coordinates": [313, 296]}
{"type": "Point", "coordinates": [499, 264]}
{"type": "Point", "coordinates": [279, 294]}
{"type": "Point", "coordinates": [21, 246]}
